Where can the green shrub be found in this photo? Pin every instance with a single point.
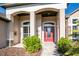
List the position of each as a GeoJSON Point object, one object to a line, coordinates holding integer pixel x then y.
{"type": "Point", "coordinates": [64, 44]}
{"type": "Point", "coordinates": [74, 51]}
{"type": "Point", "coordinates": [69, 52]}
{"type": "Point", "coordinates": [32, 43]}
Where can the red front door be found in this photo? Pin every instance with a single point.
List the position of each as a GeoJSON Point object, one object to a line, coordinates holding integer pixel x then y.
{"type": "Point", "coordinates": [49, 34]}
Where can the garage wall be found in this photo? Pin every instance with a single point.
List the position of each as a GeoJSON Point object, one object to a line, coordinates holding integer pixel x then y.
{"type": "Point", "coordinates": [3, 34]}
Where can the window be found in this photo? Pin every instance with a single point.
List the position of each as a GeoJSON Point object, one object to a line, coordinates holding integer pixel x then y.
{"type": "Point", "coordinates": [49, 27]}
{"type": "Point", "coordinates": [26, 29]}
{"type": "Point", "coordinates": [76, 35]}
{"type": "Point", "coordinates": [49, 31]}
{"type": "Point", "coordinates": [74, 27]}
{"type": "Point", "coordinates": [49, 24]}
{"type": "Point", "coordinates": [74, 21]}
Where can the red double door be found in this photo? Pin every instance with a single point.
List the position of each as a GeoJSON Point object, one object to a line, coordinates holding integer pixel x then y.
{"type": "Point", "coordinates": [49, 34]}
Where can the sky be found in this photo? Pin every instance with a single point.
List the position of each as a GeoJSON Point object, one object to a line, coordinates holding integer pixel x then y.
{"type": "Point", "coordinates": [71, 7]}
{"type": "Point", "coordinates": [2, 10]}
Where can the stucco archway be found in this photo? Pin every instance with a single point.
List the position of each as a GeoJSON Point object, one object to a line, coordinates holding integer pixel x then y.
{"type": "Point", "coordinates": [47, 15]}
{"type": "Point", "coordinates": [16, 20]}
{"type": "Point", "coordinates": [46, 9]}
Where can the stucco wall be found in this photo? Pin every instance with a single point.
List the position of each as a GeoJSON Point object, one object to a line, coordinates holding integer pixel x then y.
{"type": "Point", "coordinates": [66, 27]}
{"type": "Point", "coordinates": [17, 24]}
{"type": "Point", "coordinates": [50, 18]}
{"type": "Point", "coordinates": [16, 29]}
{"type": "Point", "coordinates": [39, 26]}
{"type": "Point", "coordinates": [3, 34]}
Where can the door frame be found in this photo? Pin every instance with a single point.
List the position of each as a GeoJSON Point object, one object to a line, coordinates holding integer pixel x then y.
{"type": "Point", "coordinates": [21, 30]}
{"type": "Point", "coordinates": [54, 29]}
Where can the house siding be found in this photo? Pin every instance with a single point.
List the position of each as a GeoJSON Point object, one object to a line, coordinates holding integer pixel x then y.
{"type": "Point", "coordinates": [70, 23]}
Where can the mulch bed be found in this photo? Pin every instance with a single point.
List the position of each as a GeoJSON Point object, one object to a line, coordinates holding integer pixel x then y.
{"type": "Point", "coordinates": [15, 51]}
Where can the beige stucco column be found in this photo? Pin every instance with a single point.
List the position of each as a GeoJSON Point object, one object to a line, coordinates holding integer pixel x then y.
{"type": "Point", "coordinates": [62, 22]}
{"type": "Point", "coordinates": [39, 27]}
{"type": "Point", "coordinates": [10, 29]}
{"type": "Point", "coordinates": [32, 23]}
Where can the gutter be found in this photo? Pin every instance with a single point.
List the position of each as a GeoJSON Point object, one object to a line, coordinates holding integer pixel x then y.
{"type": "Point", "coordinates": [3, 18]}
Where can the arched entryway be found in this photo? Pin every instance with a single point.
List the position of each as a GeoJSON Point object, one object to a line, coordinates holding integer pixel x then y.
{"type": "Point", "coordinates": [49, 31]}
{"type": "Point", "coordinates": [20, 24]}
{"type": "Point", "coordinates": [49, 23]}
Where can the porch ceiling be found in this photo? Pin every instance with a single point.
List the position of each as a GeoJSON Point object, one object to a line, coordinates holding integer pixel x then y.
{"type": "Point", "coordinates": [43, 13]}
{"type": "Point", "coordinates": [23, 14]}
{"type": "Point", "coordinates": [48, 13]}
